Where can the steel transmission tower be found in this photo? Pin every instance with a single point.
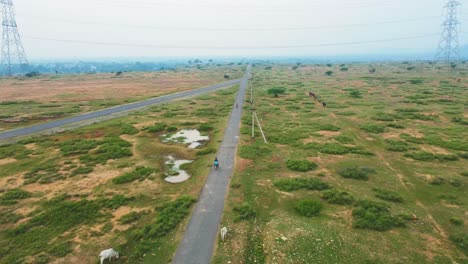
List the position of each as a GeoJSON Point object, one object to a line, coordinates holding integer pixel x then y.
{"type": "Point", "coordinates": [13, 56]}
{"type": "Point", "coordinates": [449, 51]}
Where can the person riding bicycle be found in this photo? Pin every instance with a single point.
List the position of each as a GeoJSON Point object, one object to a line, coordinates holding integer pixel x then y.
{"type": "Point", "coordinates": [216, 163]}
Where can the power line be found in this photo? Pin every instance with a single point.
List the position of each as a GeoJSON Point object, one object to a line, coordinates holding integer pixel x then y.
{"type": "Point", "coordinates": [242, 29]}
{"type": "Point", "coordinates": [229, 47]}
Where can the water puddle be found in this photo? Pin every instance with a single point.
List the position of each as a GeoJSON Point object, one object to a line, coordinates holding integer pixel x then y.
{"type": "Point", "coordinates": [187, 136]}
{"type": "Point", "coordinates": [175, 173]}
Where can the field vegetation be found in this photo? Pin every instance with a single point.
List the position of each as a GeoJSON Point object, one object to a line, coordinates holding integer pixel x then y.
{"type": "Point", "coordinates": [388, 180]}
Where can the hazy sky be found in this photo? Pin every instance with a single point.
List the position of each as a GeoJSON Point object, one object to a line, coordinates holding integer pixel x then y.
{"type": "Point", "coordinates": [129, 28]}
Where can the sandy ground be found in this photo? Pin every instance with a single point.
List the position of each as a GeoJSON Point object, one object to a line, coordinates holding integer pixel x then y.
{"type": "Point", "coordinates": [80, 88]}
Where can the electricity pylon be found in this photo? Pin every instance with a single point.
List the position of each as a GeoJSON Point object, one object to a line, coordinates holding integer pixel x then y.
{"type": "Point", "coordinates": [449, 50]}
{"type": "Point", "coordinates": [13, 56]}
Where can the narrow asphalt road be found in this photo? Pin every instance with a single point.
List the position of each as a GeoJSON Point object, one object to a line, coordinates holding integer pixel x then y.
{"type": "Point", "coordinates": [109, 111]}
{"type": "Point", "coordinates": [199, 238]}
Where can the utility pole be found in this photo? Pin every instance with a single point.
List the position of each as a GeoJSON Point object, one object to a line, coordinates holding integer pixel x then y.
{"type": "Point", "coordinates": [13, 56]}
{"type": "Point", "coordinates": [448, 50]}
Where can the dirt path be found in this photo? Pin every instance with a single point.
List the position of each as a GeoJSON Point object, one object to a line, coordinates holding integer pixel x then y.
{"type": "Point", "coordinates": [201, 233]}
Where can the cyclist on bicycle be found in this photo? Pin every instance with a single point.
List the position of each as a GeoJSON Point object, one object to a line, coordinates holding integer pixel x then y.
{"type": "Point", "coordinates": [216, 163]}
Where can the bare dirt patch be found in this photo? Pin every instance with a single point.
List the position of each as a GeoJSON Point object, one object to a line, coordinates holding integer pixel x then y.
{"type": "Point", "coordinates": [242, 164]}
{"type": "Point", "coordinates": [434, 149]}
{"type": "Point", "coordinates": [329, 133]}
{"type": "Point", "coordinates": [6, 161]}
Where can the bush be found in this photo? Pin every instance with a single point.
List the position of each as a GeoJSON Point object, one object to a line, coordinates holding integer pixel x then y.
{"type": "Point", "coordinates": [461, 241]}
{"type": "Point", "coordinates": [245, 212]}
{"type": "Point", "coordinates": [456, 221]}
{"type": "Point", "coordinates": [397, 146]}
{"type": "Point", "coordinates": [355, 94]}
{"type": "Point", "coordinates": [356, 173]}
{"type": "Point", "coordinates": [344, 69]}
{"type": "Point", "coordinates": [295, 184]}
{"type": "Point", "coordinates": [171, 129]}
{"type": "Point", "coordinates": [158, 127]}
{"type": "Point", "coordinates": [388, 195]}
{"type": "Point", "coordinates": [206, 151]}
{"type": "Point", "coordinates": [16, 151]}
{"type": "Point", "coordinates": [426, 156]}
{"type": "Point", "coordinates": [127, 129]}
{"type": "Point", "coordinates": [140, 173]}
{"type": "Point", "coordinates": [374, 216]}
{"type": "Point", "coordinates": [77, 146]}
{"type": "Point", "coordinates": [329, 73]}
{"type": "Point", "coordinates": [82, 170]}
{"type": "Point", "coordinates": [11, 196]}
{"type": "Point", "coordinates": [372, 128]}
{"type": "Point", "coordinates": [344, 139]}
{"type": "Point", "coordinates": [338, 197]}
{"type": "Point", "coordinates": [308, 208]}
{"type": "Point", "coordinates": [300, 165]}
{"type": "Point", "coordinates": [205, 128]}
{"type": "Point", "coordinates": [275, 91]}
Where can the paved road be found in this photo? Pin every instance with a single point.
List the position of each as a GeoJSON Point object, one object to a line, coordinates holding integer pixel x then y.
{"type": "Point", "coordinates": [109, 111]}
{"type": "Point", "coordinates": [202, 230]}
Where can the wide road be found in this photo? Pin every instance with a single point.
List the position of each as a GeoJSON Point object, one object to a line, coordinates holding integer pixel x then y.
{"type": "Point", "coordinates": [113, 110]}
{"type": "Point", "coordinates": [200, 236]}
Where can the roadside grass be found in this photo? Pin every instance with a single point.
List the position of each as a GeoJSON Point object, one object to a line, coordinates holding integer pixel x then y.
{"type": "Point", "coordinates": [114, 172]}
{"type": "Point", "coordinates": [399, 113]}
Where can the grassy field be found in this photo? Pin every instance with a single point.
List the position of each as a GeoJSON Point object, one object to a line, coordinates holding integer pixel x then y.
{"type": "Point", "coordinates": [379, 175]}
{"type": "Point", "coordinates": [66, 197]}
{"type": "Point", "coordinates": [26, 101]}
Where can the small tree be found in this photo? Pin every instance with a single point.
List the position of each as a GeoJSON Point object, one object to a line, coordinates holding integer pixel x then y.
{"type": "Point", "coordinates": [275, 91]}
{"type": "Point", "coordinates": [329, 73]}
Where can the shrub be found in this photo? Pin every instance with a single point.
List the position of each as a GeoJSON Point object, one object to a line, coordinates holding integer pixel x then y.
{"type": "Point", "coordinates": [245, 212]}
{"type": "Point", "coordinates": [397, 146]}
{"type": "Point", "coordinates": [300, 165]}
{"type": "Point", "coordinates": [329, 73]}
{"type": "Point", "coordinates": [337, 197]}
{"type": "Point", "coordinates": [16, 151]}
{"type": "Point", "coordinates": [77, 146]}
{"type": "Point", "coordinates": [308, 208]}
{"type": "Point", "coordinates": [437, 181]}
{"type": "Point", "coordinates": [158, 127]}
{"type": "Point", "coordinates": [12, 195]}
{"type": "Point", "coordinates": [388, 195]}
{"type": "Point", "coordinates": [205, 127]}
{"type": "Point", "coordinates": [127, 129]}
{"type": "Point", "coordinates": [343, 69]}
{"type": "Point", "coordinates": [393, 125]}
{"type": "Point", "coordinates": [275, 91]}
{"type": "Point", "coordinates": [355, 94]}
{"type": "Point", "coordinates": [82, 170]}
{"type": "Point", "coordinates": [171, 129]}
{"type": "Point", "coordinates": [426, 156]}
{"type": "Point", "coordinates": [140, 173]}
{"type": "Point", "coordinates": [461, 241]}
{"type": "Point", "coordinates": [356, 173]}
{"type": "Point", "coordinates": [372, 128]}
{"type": "Point", "coordinates": [456, 221]}
{"type": "Point", "coordinates": [295, 184]}
{"type": "Point", "coordinates": [374, 216]}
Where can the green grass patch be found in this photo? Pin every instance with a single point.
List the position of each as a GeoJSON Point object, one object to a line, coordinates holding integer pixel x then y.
{"type": "Point", "coordinates": [308, 207]}
{"type": "Point", "coordinates": [127, 129]}
{"type": "Point", "coordinates": [244, 212]}
{"type": "Point", "coordinates": [16, 151]}
{"type": "Point", "coordinates": [140, 173]}
{"type": "Point", "coordinates": [300, 165]}
{"type": "Point", "coordinates": [77, 146]}
{"type": "Point", "coordinates": [427, 156]}
{"type": "Point", "coordinates": [375, 216]}
{"type": "Point", "coordinates": [461, 241]}
{"type": "Point", "coordinates": [396, 146]}
{"type": "Point", "coordinates": [131, 217]}
{"type": "Point", "coordinates": [357, 173]}
{"type": "Point", "coordinates": [253, 151]}
{"type": "Point", "coordinates": [295, 184]}
{"type": "Point", "coordinates": [13, 195]}
{"type": "Point", "coordinates": [372, 128]}
{"type": "Point", "coordinates": [158, 127]}
{"type": "Point", "coordinates": [335, 196]}
{"type": "Point", "coordinates": [388, 195]}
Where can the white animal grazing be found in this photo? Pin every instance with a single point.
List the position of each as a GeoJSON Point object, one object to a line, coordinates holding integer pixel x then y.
{"type": "Point", "coordinates": [224, 231]}
{"type": "Point", "coordinates": [108, 254]}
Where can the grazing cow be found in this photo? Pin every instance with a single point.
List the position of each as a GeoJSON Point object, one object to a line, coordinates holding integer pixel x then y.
{"type": "Point", "coordinates": [324, 104]}
{"type": "Point", "coordinates": [224, 231]}
{"type": "Point", "coordinates": [108, 254]}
